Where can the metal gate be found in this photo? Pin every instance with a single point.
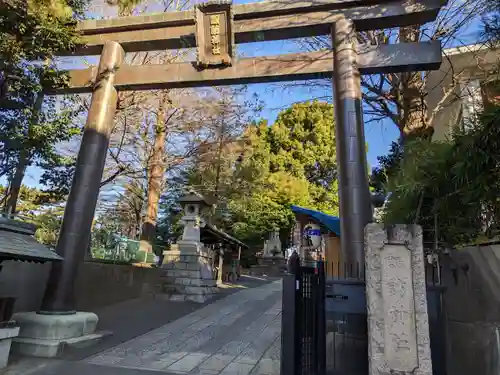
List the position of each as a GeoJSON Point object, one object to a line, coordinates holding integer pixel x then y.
{"type": "Point", "coordinates": [324, 324]}
{"type": "Point", "coordinates": [303, 336]}
{"type": "Point", "coordinates": [324, 328]}
{"type": "Point", "coordinates": [347, 331]}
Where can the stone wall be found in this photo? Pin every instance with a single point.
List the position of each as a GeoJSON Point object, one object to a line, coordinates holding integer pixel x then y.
{"type": "Point", "coordinates": [100, 284]}
{"type": "Point", "coordinates": [25, 282]}
{"type": "Point", "coordinates": [472, 307]}
{"type": "Point", "coordinates": [97, 284]}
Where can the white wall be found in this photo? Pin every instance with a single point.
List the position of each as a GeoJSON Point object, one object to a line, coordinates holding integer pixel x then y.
{"type": "Point", "coordinates": [455, 83]}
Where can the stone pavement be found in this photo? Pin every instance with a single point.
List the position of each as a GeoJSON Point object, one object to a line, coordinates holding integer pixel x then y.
{"type": "Point", "coordinates": [236, 335]}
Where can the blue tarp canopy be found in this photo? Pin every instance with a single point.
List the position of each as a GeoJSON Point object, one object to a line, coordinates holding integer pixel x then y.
{"type": "Point", "coordinates": [332, 223]}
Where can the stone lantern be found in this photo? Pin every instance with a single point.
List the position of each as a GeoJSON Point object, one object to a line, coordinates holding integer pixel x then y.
{"type": "Point", "coordinates": [195, 208]}
{"type": "Point", "coordinates": [188, 268]}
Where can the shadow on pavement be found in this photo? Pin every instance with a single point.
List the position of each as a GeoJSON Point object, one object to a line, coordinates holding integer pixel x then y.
{"type": "Point", "coordinates": [130, 319]}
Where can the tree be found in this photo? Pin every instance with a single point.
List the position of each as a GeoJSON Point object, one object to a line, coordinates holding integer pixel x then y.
{"type": "Point", "coordinates": [451, 188]}
{"type": "Point", "coordinates": [402, 161]}
{"type": "Point", "coordinates": [402, 97]}
{"type": "Point", "coordinates": [269, 168]}
{"type": "Point", "coordinates": [387, 168]}
{"type": "Point", "coordinates": [48, 225]}
{"type": "Point", "coordinates": [491, 23]}
{"type": "Point", "coordinates": [293, 162]}
{"type": "Point", "coordinates": [33, 139]}
{"type": "Point", "coordinates": [302, 144]}
{"type": "Point", "coordinates": [31, 32]}
{"type": "Point", "coordinates": [42, 209]}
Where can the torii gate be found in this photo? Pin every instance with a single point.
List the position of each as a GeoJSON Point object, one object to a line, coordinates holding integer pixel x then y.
{"type": "Point", "coordinates": [214, 28]}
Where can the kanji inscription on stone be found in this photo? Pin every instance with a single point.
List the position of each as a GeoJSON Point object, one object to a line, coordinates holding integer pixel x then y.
{"type": "Point", "coordinates": [214, 34]}
{"type": "Point", "coordinates": [399, 310]}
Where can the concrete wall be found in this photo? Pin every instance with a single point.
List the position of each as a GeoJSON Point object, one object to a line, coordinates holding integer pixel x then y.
{"type": "Point", "coordinates": [97, 285]}
{"type": "Point", "coordinates": [472, 307]}
{"type": "Point", "coordinates": [24, 281]}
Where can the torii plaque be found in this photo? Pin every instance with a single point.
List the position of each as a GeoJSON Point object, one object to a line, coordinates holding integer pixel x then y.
{"type": "Point", "coordinates": [214, 34]}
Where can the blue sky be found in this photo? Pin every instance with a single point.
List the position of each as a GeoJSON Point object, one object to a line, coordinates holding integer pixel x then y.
{"type": "Point", "coordinates": [378, 135]}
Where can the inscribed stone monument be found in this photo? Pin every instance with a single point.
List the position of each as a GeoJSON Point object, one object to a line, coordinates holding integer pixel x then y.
{"type": "Point", "coordinates": [398, 327]}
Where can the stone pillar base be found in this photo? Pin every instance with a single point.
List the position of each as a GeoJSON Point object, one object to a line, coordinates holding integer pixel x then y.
{"type": "Point", "coordinates": [6, 336]}
{"type": "Point", "coordinates": [188, 276]}
{"type": "Point", "coordinates": [47, 335]}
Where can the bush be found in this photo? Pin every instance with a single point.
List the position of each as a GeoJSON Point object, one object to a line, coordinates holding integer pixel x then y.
{"type": "Point", "coordinates": [453, 184]}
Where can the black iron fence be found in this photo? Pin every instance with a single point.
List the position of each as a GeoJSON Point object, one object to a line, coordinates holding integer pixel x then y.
{"type": "Point", "coordinates": [325, 321]}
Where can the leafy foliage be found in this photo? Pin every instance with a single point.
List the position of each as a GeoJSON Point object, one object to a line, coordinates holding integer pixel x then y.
{"type": "Point", "coordinates": [48, 225]}
{"type": "Point", "coordinates": [451, 188]}
{"type": "Point", "coordinates": [388, 167]}
{"type": "Point", "coordinates": [491, 22]}
{"type": "Point", "coordinates": [31, 34]}
{"type": "Point", "coordinates": [42, 209]}
{"type": "Point", "coordinates": [291, 162]}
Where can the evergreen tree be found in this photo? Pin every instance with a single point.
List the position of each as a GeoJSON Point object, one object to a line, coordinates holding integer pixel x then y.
{"type": "Point", "coordinates": [271, 167]}
{"type": "Point", "coordinates": [31, 34]}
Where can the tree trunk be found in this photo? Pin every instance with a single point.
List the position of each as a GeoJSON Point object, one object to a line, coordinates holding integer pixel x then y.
{"type": "Point", "coordinates": [24, 160]}
{"type": "Point", "coordinates": [414, 109]}
{"type": "Point", "coordinates": [219, 165]}
{"type": "Point", "coordinates": [16, 182]}
{"type": "Point", "coordinates": [155, 178]}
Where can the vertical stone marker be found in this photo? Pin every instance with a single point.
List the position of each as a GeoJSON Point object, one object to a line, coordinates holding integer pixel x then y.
{"type": "Point", "coordinates": [398, 327]}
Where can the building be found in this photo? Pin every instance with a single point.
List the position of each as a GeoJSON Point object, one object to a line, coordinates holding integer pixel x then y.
{"type": "Point", "coordinates": [329, 227]}
{"type": "Point", "coordinates": [461, 88]}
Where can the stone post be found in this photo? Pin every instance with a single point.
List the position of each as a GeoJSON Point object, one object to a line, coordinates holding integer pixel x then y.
{"type": "Point", "coordinates": [220, 274]}
{"type": "Point", "coordinates": [238, 268]}
{"type": "Point", "coordinates": [354, 196]}
{"type": "Point", "coordinates": [398, 327]}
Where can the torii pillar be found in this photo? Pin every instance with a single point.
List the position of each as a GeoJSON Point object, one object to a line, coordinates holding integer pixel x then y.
{"type": "Point", "coordinates": [354, 195]}
{"type": "Point", "coordinates": [58, 322]}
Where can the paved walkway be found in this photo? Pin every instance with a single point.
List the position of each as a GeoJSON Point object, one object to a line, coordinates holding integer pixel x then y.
{"type": "Point", "coordinates": [236, 335]}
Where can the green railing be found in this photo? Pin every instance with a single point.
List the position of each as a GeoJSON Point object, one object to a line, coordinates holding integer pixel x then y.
{"type": "Point", "coordinates": [120, 250]}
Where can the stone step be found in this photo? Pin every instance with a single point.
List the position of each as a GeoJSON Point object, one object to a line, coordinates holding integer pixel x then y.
{"type": "Point", "coordinates": [168, 288]}
{"type": "Point", "coordinates": [167, 280]}
{"type": "Point", "coordinates": [193, 290]}
{"type": "Point", "coordinates": [193, 298]}
{"type": "Point", "coordinates": [190, 266]}
{"type": "Point", "coordinates": [182, 273]}
{"type": "Point", "coordinates": [194, 282]}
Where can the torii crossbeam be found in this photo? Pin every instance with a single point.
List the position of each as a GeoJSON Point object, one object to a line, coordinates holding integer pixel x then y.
{"type": "Point", "coordinates": [214, 28]}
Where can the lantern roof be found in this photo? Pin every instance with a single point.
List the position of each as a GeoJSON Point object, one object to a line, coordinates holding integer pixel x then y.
{"type": "Point", "coordinates": [18, 242]}
{"type": "Point", "coordinates": [192, 197]}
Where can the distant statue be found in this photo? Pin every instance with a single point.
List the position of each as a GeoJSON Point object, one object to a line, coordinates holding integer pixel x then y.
{"type": "Point", "coordinates": [272, 247]}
